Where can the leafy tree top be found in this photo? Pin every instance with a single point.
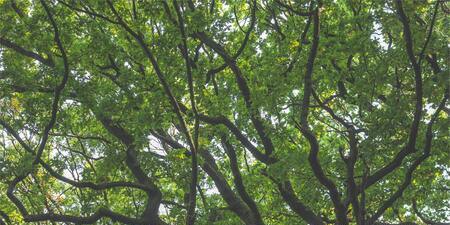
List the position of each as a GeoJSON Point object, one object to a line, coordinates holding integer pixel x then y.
{"type": "Point", "coordinates": [224, 112]}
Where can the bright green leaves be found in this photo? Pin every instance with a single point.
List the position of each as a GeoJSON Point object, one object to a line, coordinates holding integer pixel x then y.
{"type": "Point", "coordinates": [362, 73]}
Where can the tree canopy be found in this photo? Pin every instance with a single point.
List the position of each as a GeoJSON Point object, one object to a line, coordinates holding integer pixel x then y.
{"type": "Point", "coordinates": [257, 112]}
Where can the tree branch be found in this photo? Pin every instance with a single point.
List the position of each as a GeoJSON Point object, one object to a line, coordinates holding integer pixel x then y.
{"type": "Point", "coordinates": [238, 182]}
{"type": "Point", "coordinates": [410, 146]}
{"type": "Point", "coordinates": [409, 173]}
{"type": "Point", "coordinates": [58, 89]}
{"type": "Point", "coordinates": [19, 49]}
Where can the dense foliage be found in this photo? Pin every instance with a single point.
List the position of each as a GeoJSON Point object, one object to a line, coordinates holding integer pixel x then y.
{"type": "Point", "coordinates": [249, 112]}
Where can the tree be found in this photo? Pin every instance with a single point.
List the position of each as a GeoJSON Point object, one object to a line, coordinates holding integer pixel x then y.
{"type": "Point", "coordinates": [224, 112]}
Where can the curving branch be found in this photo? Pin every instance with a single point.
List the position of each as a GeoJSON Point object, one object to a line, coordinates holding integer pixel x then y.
{"type": "Point", "coordinates": [339, 208]}
{"type": "Point", "coordinates": [350, 161]}
{"type": "Point", "coordinates": [409, 173]}
{"type": "Point", "coordinates": [238, 182]}
{"type": "Point", "coordinates": [208, 164]}
{"type": "Point", "coordinates": [154, 194]}
{"type": "Point", "coordinates": [411, 143]}
{"type": "Point", "coordinates": [244, 89]}
{"type": "Point", "coordinates": [430, 31]}
{"type": "Point", "coordinates": [294, 202]}
{"type": "Point", "coordinates": [87, 11]}
{"type": "Point", "coordinates": [149, 54]}
{"type": "Point", "coordinates": [289, 196]}
{"type": "Point", "coordinates": [25, 52]}
{"type": "Point", "coordinates": [210, 74]}
{"type": "Point", "coordinates": [59, 177]}
{"type": "Point", "coordinates": [248, 32]}
{"type": "Point", "coordinates": [302, 40]}
{"type": "Point", "coordinates": [58, 89]}
{"type": "Point", "coordinates": [417, 76]}
{"type": "Point", "coordinates": [190, 217]}
{"type": "Point", "coordinates": [66, 218]}
{"type": "Point", "coordinates": [221, 120]}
